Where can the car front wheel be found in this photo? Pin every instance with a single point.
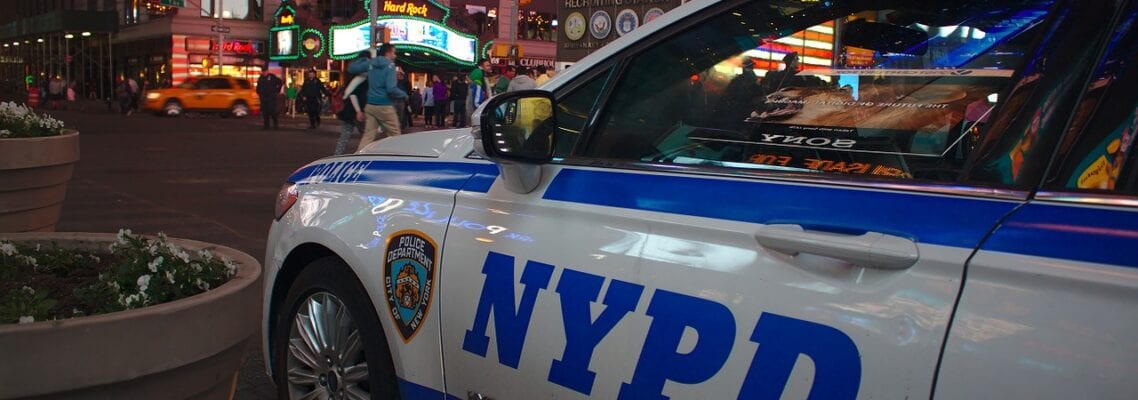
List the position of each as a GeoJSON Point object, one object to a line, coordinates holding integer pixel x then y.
{"type": "Point", "coordinates": [173, 108]}
{"type": "Point", "coordinates": [328, 342]}
{"type": "Point", "coordinates": [239, 110]}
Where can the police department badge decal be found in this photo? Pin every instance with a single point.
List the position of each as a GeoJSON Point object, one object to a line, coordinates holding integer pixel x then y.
{"type": "Point", "coordinates": [409, 279]}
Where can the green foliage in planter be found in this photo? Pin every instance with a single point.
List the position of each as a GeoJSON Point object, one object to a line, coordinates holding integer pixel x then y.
{"type": "Point", "coordinates": [51, 283]}
{"type": "Point", "coordinates": [20, 121]}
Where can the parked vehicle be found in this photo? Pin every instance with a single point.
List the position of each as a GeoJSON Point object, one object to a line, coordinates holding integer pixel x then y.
{"type": "Point", "coordinates": [227, 95]}
{"type": "Point", "coordinates": [939, 201]}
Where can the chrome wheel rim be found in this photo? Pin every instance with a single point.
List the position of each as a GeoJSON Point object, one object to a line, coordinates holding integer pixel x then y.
{"type": "Point", "coordinates": [325, 354]}
{"type": "Point", "coordinates": [173, 109]}
{"type": "Point", "coordinates": [240, 111]}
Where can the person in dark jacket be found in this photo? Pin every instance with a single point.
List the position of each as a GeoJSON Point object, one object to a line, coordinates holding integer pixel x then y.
{"type": "Point", "coordinates": [312, 94]}
{"type": "Point", "coordinates": [352, 114]}
{"type": "Point", "coordinates": [403, 106]}
{"type": "Point", "coordinates": [458, 92]}
{"type": "Point", "coordinates": [268, 88]}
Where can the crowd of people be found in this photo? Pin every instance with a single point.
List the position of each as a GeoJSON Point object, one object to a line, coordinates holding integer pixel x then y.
{"type": "Point", "coordinates": [379, 101]}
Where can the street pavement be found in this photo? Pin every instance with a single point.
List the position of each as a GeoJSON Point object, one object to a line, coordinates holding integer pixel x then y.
{"type": "Point", "coordinates": [199, 177]}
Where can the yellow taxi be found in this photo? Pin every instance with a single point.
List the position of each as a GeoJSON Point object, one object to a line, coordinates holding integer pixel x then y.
{"type": "Point", "coordinates": [228, 95]}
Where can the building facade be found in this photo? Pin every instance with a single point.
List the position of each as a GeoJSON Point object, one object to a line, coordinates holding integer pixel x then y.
{"type": "Point", "coordinates": [163, 45]}
{"type": "Point", "coordinates": [65, 39]}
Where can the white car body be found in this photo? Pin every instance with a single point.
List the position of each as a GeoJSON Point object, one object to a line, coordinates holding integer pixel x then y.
{"type": "Point", "coordinates": [611, 281]}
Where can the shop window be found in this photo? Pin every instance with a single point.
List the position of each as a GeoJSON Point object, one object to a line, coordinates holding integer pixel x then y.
{"type": "Point", "coordinates": [249, 10]}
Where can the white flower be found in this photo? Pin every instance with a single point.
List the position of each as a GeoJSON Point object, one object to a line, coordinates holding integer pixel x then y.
{"type": "Point", "coordinates": [153, 265]}
{"type": "Point", "coordinates": [169, 276]}
{"type": "Point", "coordinates": [7, 248]}
{"type": "Point", "coordinates": [185, 257]}
{"type": "Point", "coordinates": [28, 290]}
{"type": "Point", "coordinates": [31, 261]}
{"type": "Point", "coordinates": [27, 319]}
{"type": "Point", "coordinates": [205, 255]}
{"type": "Point", "coordinates": [230, 267]}
{"type": "Point", "coordinates": [143, 282]}
{"type": "Point", "coordinates": [123, 233]}
{"type": "Point", "coordinates": [152, 249]}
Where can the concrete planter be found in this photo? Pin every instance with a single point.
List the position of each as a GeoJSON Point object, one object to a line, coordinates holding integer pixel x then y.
{"type": "Point", "coordinates": [33, 180]}
{"type": "Point", "coordinates": [186, 349]}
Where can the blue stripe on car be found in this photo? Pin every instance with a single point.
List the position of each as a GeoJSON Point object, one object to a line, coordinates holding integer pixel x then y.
{"type": "Point", "coordinates": [1097, 235]}
{"type": "Point", "coordinates": [441, 175]}
{"type": "Point", "coordinates": [410, 390]}
{"type": "Point", "coordinates": [935, 219]}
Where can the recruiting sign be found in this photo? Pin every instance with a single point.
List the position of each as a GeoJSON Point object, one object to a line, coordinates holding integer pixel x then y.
{"type": "Point", "coordinates": [590, 24]}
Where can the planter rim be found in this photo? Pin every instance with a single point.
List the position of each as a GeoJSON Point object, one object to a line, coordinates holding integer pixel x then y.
{"type": "Point", "coordinates": [248, 271]}
{"type": "Point", "coordinates": [66, 132]}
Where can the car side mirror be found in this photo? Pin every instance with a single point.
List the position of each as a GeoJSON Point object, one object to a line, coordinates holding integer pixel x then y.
{"type": "Point", "coordinates": [515, 130]}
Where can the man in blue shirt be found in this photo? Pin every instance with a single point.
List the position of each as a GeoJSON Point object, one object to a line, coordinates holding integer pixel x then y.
{"type": "Point", "coordinates": [381, 94]}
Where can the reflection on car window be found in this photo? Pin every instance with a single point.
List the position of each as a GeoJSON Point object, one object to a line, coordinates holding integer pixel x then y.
{"type": "Point", "coordinates": [573, 112]}
{"type": "Point", "coordinates": [244, 84]}
{"type": "Point", "coordinates": [1100, 158]}
{"type": "Point", "coordinates": [772, 87]}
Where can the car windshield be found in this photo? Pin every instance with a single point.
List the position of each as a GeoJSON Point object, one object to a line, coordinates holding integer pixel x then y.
{"type": "Point", "coordinates": [859, 87]}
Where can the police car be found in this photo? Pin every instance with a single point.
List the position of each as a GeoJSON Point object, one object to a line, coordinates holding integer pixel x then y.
{"type": "Point", "coordinates": [744, 199]}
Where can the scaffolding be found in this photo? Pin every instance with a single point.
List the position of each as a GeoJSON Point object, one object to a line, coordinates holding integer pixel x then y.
{"type": "Point", "coordinates": [74, 46]}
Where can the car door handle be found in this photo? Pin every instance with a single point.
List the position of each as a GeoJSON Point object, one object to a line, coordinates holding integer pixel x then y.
{"type": "Point", "coordinates": [869, 250]}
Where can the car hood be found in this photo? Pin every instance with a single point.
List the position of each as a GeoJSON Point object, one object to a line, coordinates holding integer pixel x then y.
{"type": "Point", "coordinates": [444, 144]}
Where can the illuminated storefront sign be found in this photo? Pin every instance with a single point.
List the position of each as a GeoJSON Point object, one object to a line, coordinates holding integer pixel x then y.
{"type": "Point", "coordinates": [240, 47]}
{"type": "Point", "coordinates": [349, 41]}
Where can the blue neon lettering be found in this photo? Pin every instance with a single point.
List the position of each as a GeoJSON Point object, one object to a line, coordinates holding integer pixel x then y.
{"type": "Point", "coordinates": [837, 363]}
{"type": "Point", "coordinates": [659, 360]}
{"type": "Point", "coordinates": [582, 334]}
{"type": "Point", "coordinates": [510, 324]}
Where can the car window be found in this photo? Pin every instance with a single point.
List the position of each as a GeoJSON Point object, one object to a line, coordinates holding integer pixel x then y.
{"type": "Point", "coordinates": [212, 83]}
{"type": "Point", "coordinates": [573, 111]}
{"type": "Point", "coordinates": [243, 84]}
{"type": "Point", "coordinates": [1098, 155]}
{"type": "Point", "coordinates": [885, 92]}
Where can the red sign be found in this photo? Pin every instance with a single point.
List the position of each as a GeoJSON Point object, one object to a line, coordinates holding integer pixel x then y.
{"type": "Point", "coordinates": [237, 47]}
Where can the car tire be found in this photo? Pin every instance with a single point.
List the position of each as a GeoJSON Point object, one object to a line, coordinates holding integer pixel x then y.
{"type": "Point", "coordinates": [306, 362]}
{"type": "Point", "coordinates": [172, 108]}
{"type": "Point", "coordinates": [239, 110]}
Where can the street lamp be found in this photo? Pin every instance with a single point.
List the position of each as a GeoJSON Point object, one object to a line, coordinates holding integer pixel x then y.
{"type": "Point", "coordinates": [69, 36]}
{"type": "Point", "coordinates": [40, 40]}
{"type": "Point", "coordinates": [85, 34]}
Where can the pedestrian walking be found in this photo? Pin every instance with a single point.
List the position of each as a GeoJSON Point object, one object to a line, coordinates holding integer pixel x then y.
{"type": "Point", "coordinates": [428, 107]}
{"type": "Point", "coordinates": [268, 90]}
{"type": "Point", "coordinates": [458, 92]}
{"type": "Point", "coordinates": [55, 91]}
{"type": "Point", "coordinates": [290, 99]}
{"type": "Point", "coordinates": [401, 105]}
{"type": "Point", "coordinates": [135, 94]}
{"type": "Point", "coordinates": [439, 93]}
{"type": "Point", "coordinates": [381, 93]}
{"type": "Point", "coordinates": [122, 92]}
{"type": "Point", "coordinates": [542, 75]}
{"type": "Point", "coordinates": [312, 95]}
{"type": "Point", "coordinates": [522, 81]}
{"type": "Point", "coordinates": [352, 113]}
{"type": "Point", "coordinates": [415, 103]}
{"type": "Point", "coordinates": [503, 83]}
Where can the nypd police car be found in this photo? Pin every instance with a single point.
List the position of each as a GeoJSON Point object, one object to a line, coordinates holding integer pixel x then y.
{"type": "Point", "coordinates": [744, 199]}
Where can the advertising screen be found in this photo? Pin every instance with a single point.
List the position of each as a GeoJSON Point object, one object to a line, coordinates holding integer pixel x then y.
{"type": "Point", "coordinates": [348, 41]}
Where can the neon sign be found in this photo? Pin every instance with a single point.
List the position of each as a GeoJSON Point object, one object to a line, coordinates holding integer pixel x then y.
{"type": "Point", "coordinates": [350, 40]}
{"type": "Point", "coordinates": [406, 8]}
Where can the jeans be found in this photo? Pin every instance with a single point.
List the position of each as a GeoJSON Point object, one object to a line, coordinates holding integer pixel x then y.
{"type": "Point", "coordinates": [346, 130]}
